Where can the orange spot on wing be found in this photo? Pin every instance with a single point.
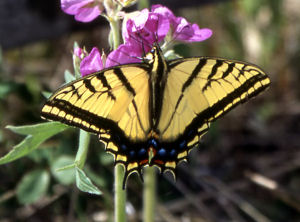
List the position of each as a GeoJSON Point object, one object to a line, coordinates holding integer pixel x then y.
{"type": "Point", "coordinates": [159, 162]}
{"type": "Point", "coordinates": [143, 162]}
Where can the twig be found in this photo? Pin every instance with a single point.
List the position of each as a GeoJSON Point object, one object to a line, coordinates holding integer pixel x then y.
{"type": "Point", "coordinates": [165, 214]}
{"type": "Point", "coordinates": [194, 200]}
{"type": "Point", "coordinates": [245, 206]}
{"type": "Point", "coordinates": [7, 195]}
{"type": "Point", "coordinates": [273, 186]}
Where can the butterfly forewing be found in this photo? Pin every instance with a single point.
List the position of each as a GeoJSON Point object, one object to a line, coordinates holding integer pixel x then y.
{"type": "Point", "coordinates": [99, 100]}
{"type": "Point", "coordinates": [198, 91]}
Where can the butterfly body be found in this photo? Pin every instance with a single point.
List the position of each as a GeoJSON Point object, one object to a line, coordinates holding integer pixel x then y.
{"type": "Point", "coordinates": [155, 112]}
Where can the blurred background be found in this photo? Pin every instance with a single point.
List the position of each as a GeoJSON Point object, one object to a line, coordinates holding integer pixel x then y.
{"type": "Point", "coordinates": [247, 167]}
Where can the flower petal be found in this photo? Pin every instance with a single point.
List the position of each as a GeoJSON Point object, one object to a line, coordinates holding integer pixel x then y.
{"type": "Point", "coordinates": [124, 54]}
{"type": "Point", "coordinates": [182, 30]}
{"type": "Point", "coordinates": [185, 31]}
{"type": "Point", "coordinates": [201, 34]}
{"type": "Point", "coordinates": [134, 24]}
{"type": "Point", "coordinates": [72, 6]}
{"type": "Point", "coordinates": [92, 63]}
{"type": "Point", "coordinates": [145, 29]}
{"type": "Point", "coordinates": [159, 26]}
{"type": "Point", "coordinates": [164, 11]}
{"type": "Point", "coordinates": [84, 10]}
{"type": "Point", "coordinates": [87, 14]}
{"type": "Point", "coordinates": [79, 52]}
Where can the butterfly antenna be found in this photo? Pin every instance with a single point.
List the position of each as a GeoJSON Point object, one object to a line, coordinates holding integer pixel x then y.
{"type": "Point", "coordinates": [155, 34]}
{"type": "Point", "coordinates": [143, 48]}
{"type": "Point", "coordinates": [143, 42]}
{"type": "Point", "coordinates": [125, 53]}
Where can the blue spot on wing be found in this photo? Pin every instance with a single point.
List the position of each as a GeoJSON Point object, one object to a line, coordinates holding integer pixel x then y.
{"type": "Point", "coordinates": [162, 152]}
{"type": "Point", "coordinates": [173, 153]}
{"type": "Point", "coordinates": [132, 153]}
{"type": "Point", "coordinates": [152, 142]}
{"type": "Point", "coordinates": [123, 147]}
{"type": "Point", "coordinates": [182, 145]}
{"type": "Point", "coordinates": [142, 152]}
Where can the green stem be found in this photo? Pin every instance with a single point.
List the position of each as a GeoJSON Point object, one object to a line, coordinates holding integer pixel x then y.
{"type": "Point", "coordinates": [84, 140]}
{"type": "Point", "coordinates": [143, 4]}
{"type": "Point", "coordinates": [115, 31]}
{"type": "Point", "coordinates": [149, 194]}
{"type": "Point", "coordinates": [120, 194]}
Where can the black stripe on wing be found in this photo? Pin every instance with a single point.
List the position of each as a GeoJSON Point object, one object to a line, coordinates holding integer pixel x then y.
{"type": "Point", "coordinates": [211, 112]}
{"type": "Point", "coordinates": [177, 150]}
{"type": "Point", "coordinates": [119, 73]}
{"type": "Point", "coordinates": [96, 122]}
{"type": "Point", "coordinates": [189, 81]}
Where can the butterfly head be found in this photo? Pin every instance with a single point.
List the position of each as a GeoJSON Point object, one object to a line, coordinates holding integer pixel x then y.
{"type": "Point", "coordinates": [154, 55]}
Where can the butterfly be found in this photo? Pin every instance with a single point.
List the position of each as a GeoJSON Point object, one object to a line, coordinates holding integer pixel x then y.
{"type": "Point", "coordinates": [155, 112]}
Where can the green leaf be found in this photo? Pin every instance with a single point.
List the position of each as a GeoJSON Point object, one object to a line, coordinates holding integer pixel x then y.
{"type": "Point", "coordinates": [69, 76]}
{"type": "Point", "coordinates": [36, 134]}
{"type": "Point", "coordinates": [33, 186]}
{"type": "Point", "coordinates": [85, 184]}
{"type": "Point", "coordinates": [46, 94]}
{"type": "Point", "coordinates": [66, 176]}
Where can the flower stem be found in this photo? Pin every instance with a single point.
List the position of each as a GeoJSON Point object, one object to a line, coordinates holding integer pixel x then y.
{"type": "Point", "coordinates": [143, 4]}
{"type": "Point", "coordinates": [149, 195]}
{"type": "Point", "coordinates": [84, 140]}
{"type": "Point", "coordinates": [120, 195]}
{"type": "Point", "coordinates": [115, 31]}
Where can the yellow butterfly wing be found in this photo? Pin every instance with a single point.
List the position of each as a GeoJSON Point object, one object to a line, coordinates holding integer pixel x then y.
{"type": "Point", "coordinates": [198, 91]}
{"type": "Point", "coordinates": [113, 104]}
{"type": "Point", "coordinates": [155, 112]}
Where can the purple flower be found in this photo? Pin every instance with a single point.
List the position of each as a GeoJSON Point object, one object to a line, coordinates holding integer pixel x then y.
{"type": "Point", "coordinates": [84, 10]}
{"type": "Point", "coordinates": [181, 29]}
{"type": "Point", "coordinates": [91, 63]}
{"type": "Point", "coordinates": [125, 53]}
{"type": "Point", "coordinates": [141, 31]}
{"type": "Point", "coordinates": [139, 34]}
{"type": "Point", "coordinates": [79, 53]}
{"type": "Point", "coordinates": [145, 29]}
{"type": "Point", "coordinates": [188, 32]}
{"type": "Point", "coordinates": [154, 26]}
